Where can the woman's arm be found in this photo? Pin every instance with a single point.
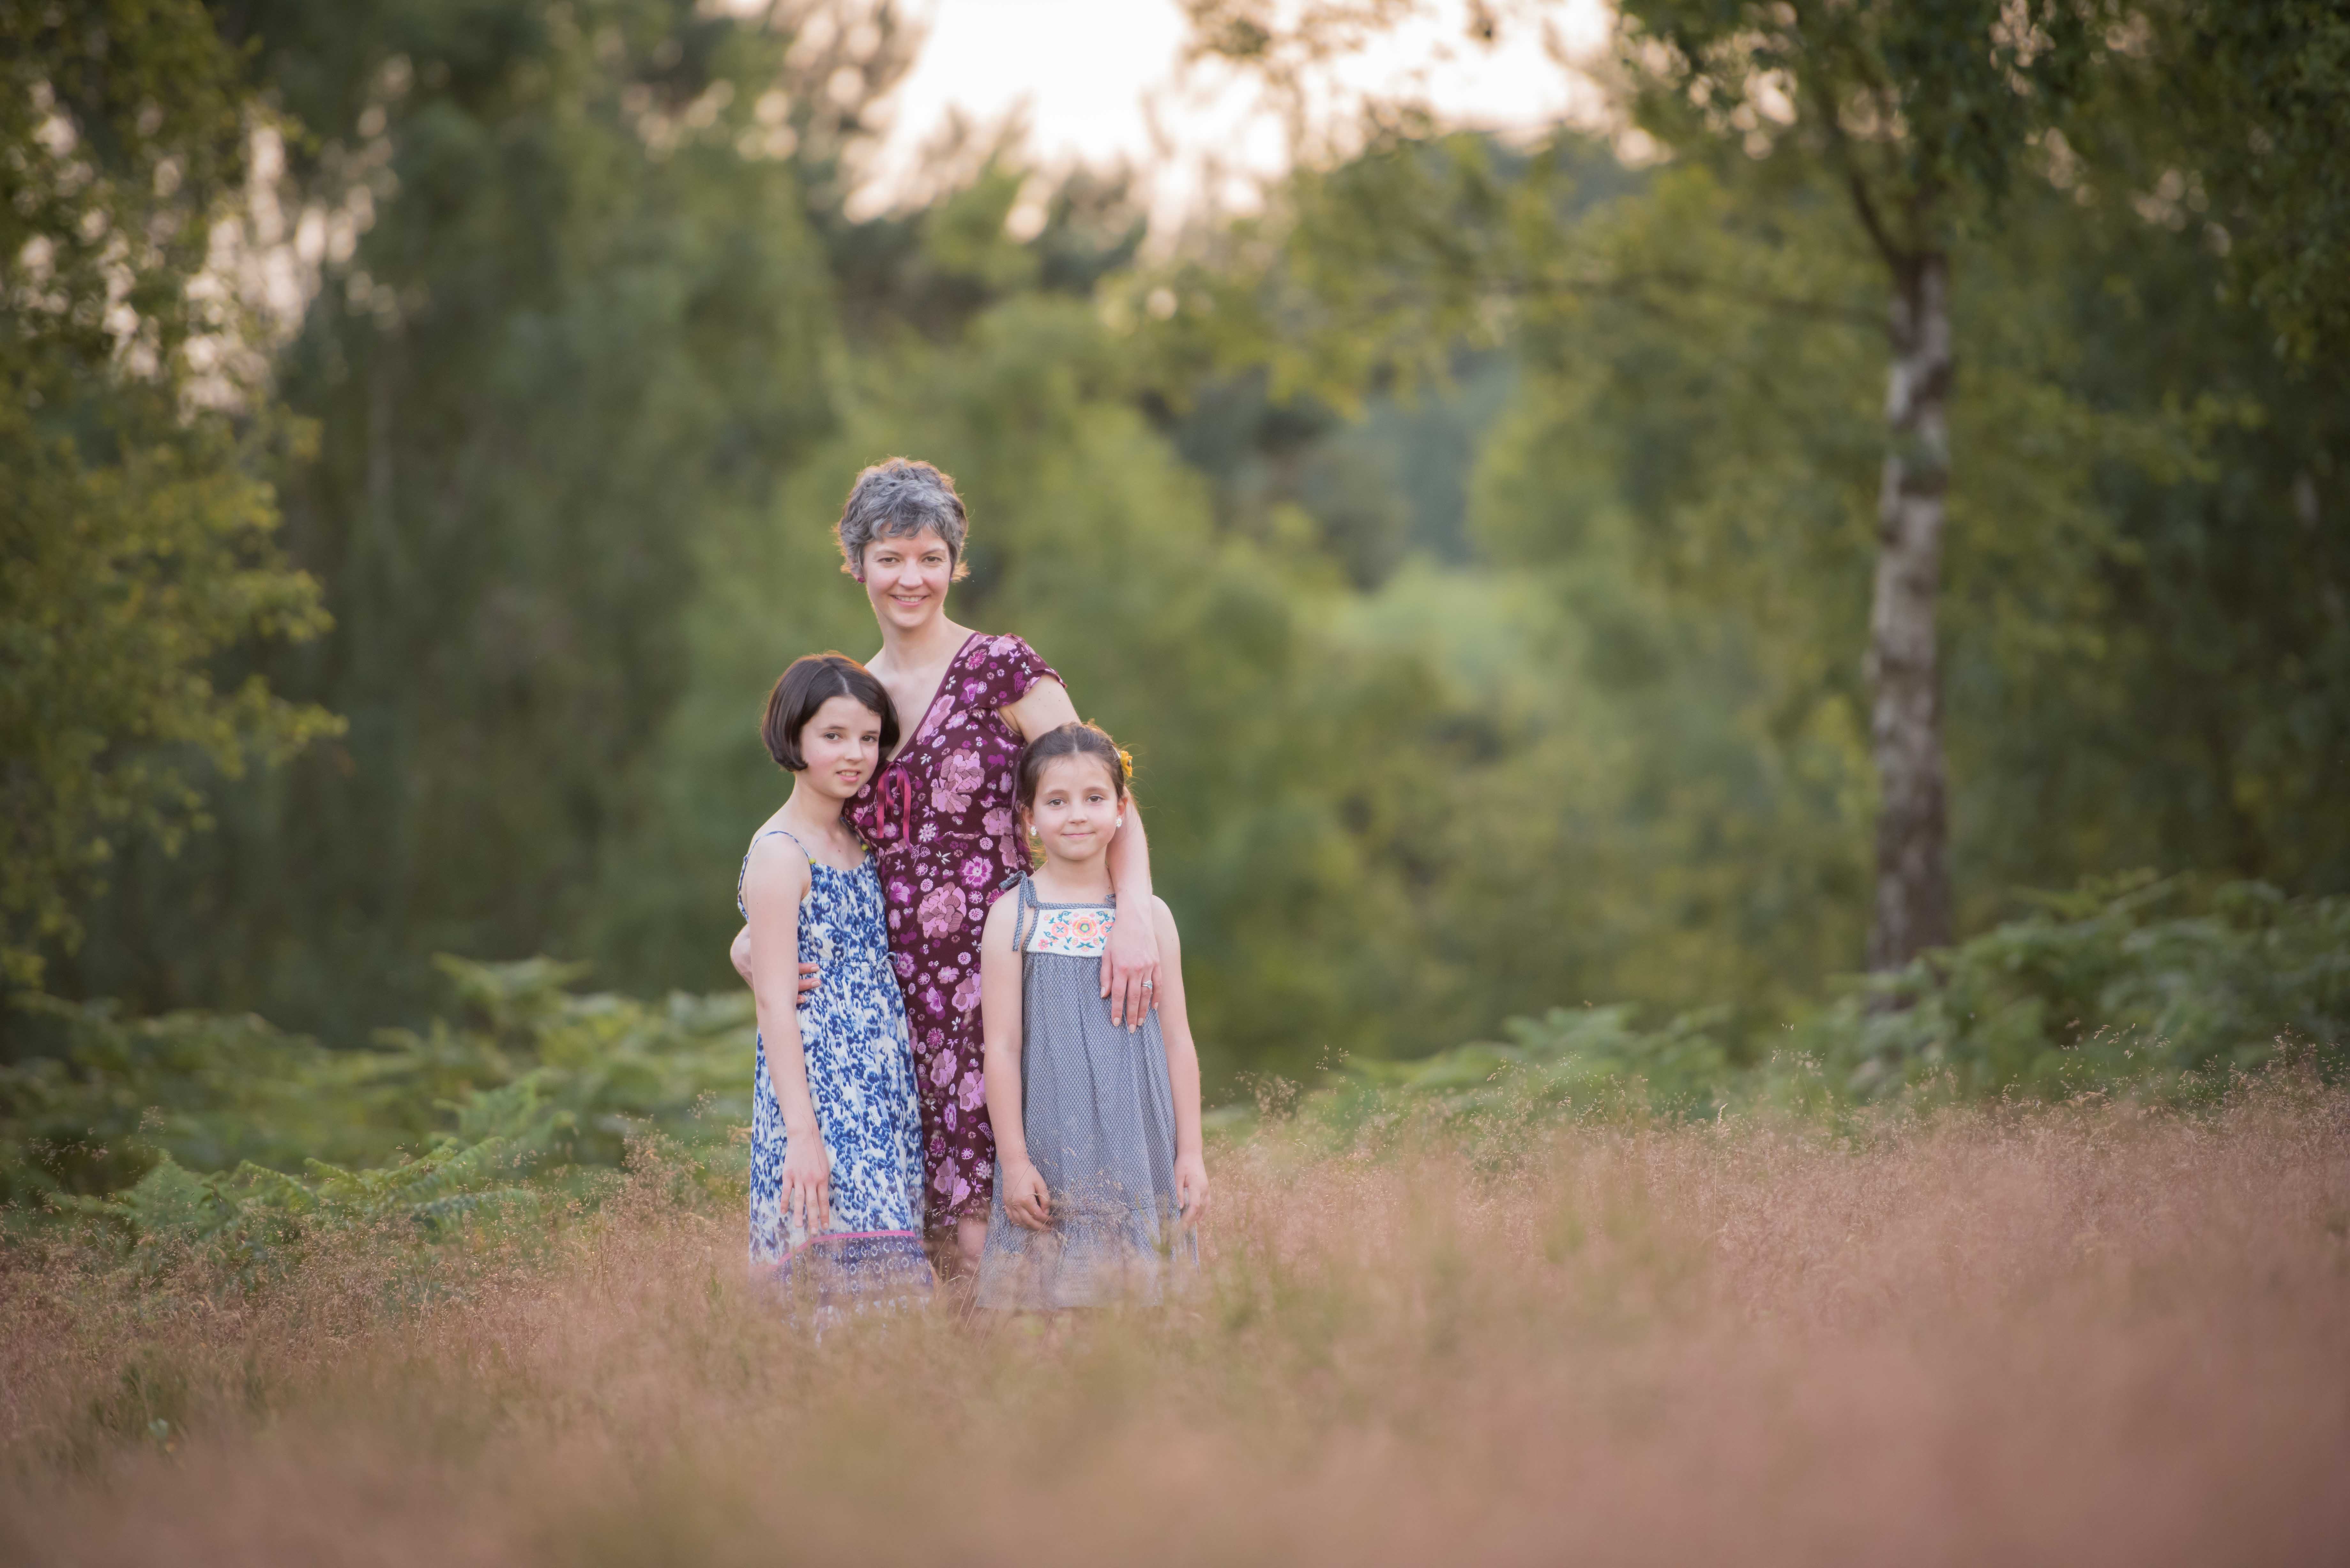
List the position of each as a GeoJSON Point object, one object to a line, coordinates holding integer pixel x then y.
{"type": "Point", "coordinates": [1026, 1201]}
{"type": "Point", "coordinates": [1044, 706]}
{"type": "Point", "coordinates": [1130, 967]}
{"type": "Point", "coordinates": [772, 888]}
{"type": "Point", "coordinates": [1182, 1070]}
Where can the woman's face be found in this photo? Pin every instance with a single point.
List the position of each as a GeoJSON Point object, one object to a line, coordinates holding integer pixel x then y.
{"type": "Point", "coordinates": [841, 743]}
{"type": "Point", "coordinates": [1076, 808]}
{"type": "Point", "coordinates": [906, 579]}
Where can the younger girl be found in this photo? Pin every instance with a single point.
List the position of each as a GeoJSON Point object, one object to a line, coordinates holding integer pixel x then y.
{"type": "Point", "coordinates": [1097, 1157]}
{"type": "Point", "coordinates": [836, 1131]}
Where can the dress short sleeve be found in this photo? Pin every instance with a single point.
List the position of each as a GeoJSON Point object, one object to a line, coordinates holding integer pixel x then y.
{"type": "Point", "coordinates": [1009, 668]}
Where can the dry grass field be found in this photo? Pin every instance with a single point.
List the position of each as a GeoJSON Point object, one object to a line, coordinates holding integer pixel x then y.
{"type": "Point", "coordinates": [2080, 1335]}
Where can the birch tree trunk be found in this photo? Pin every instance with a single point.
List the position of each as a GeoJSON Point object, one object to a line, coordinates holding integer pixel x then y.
{"type": "Point", "coordinates": [1913, 883]}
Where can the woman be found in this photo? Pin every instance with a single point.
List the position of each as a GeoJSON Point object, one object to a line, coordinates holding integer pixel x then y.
{"type": "Point", "coordinates": [939, 817]}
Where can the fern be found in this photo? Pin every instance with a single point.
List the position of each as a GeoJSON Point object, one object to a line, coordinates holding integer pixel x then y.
{"type": "Point", "coordinates": [2141, 986]}
{"type": "Point", "coordinates": [564, 1079]}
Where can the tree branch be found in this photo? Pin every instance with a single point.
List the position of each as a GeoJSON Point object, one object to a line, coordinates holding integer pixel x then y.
{"type": "Point", "coordinates": [1840, 151]}
{"type": "Point", "coordinates": [1895, 256]}
{"type": "Point", "coordinates": [1635, 287]}
{"type": "Point", "coordinates": [1639, 288]}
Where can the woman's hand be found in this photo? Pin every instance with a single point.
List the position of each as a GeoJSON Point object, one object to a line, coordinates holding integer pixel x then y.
{"type": "Point", "coordinates": [1026, 1201]}
{"type": "Point", "coordinates": [1130, 972]}
{"type": "Point", "coordinates": [1190, 1186]}
{"type": "Point", "coordinates": [807, 1184]}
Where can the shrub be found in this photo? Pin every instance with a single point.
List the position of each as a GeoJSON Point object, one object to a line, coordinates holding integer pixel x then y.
{"type": "Point", "coordinates": [535, 1070]}
{"type": "Point", "coordinates": [2146, 988]}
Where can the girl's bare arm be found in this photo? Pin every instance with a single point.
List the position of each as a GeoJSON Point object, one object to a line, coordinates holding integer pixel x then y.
{"type": "Point", "coordinates": [1182, 1068]}
{"type": "Point", "coordinates": [1026, 1201]}
{"type": "Point", "coordinates": [774, 885]}
{"type": "Point", "coordinates": [739, 955]}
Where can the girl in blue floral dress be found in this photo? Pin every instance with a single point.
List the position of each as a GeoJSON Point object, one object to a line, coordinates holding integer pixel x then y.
{"type": "Point", "coordinates": [836, 1127]}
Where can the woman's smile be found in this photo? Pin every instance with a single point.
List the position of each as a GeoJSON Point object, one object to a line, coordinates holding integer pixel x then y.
{"type": "Point", "coordinates": [907, 578]}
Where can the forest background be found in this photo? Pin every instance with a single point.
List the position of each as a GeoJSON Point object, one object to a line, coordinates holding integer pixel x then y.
{"type": "Point", "coordinates": [427, 418]}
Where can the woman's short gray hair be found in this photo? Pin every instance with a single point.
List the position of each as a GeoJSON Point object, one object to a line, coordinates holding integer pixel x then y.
{"type": "Point", "coordinates": [897, 499]}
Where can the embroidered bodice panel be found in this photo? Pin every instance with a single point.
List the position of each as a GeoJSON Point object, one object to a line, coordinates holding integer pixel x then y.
{"type": "Point", "coordinates": [1073, 931]}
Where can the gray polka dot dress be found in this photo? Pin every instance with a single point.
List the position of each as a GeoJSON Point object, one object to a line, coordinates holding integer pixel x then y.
{"type": "Point", "coordinates": [1099, 1116]}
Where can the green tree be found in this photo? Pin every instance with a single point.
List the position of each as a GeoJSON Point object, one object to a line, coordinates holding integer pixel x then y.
{"type": "Point", "coordinates": [138, 535]}
{"type": "Point", "coordinates": [2250, 99]}
{"type": "Point", "coordinates": [1922, 113]}
{"type": "Point", "coordinates": [570, 308]}
{"type": "Point", "coordinates": [1686, 782]}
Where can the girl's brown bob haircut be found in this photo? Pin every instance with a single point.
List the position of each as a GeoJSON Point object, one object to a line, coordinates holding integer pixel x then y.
{"type": "Point", "coordinates": [1071, 740]}
{"type": "Point", "coordinates": [808, 685]}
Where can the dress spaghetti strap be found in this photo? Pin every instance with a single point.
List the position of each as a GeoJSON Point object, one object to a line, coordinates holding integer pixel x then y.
{"type": "Point", "coordinates": [786, 833]}
{"type": "Point", "coordinates": [1029, 914]}
{"type": "Point", "coordinates": [745, 871]}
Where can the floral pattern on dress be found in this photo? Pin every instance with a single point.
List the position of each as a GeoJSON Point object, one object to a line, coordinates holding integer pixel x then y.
{"type": "Point", "coordinates": [1077, 930]}
{"type": "Point", "coordinates": [940, 820]}
{"type": "Point", "coordinates": [860, 1071]}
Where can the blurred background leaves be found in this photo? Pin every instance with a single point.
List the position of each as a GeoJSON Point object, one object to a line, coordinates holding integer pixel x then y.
{"type": "Point", "coordinates": [1472, 545]}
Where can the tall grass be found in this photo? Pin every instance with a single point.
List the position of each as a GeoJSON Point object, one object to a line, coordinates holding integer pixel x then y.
{"type": "Point", "coordinates": [2084, 1333]}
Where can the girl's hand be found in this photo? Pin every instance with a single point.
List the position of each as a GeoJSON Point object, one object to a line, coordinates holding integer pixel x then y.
{"type": "Point", "coordinates": [1190, 1186]}
{"type": "Point", "coordinates": [1026, 1201]}
{"type": "Point", "coordinates": [807, 1184]}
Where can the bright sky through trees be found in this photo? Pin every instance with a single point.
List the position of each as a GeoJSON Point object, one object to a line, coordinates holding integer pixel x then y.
{"type": "Point", "coordinates": [1099, 80]}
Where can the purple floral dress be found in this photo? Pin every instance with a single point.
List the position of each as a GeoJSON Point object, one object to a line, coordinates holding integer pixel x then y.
{"type": "Point", "coordinates": [940, 820]}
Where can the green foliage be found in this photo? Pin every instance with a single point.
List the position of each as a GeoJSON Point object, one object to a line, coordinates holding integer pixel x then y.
{"type": "Point", "coordinates": [2150, 642]}
{"type": "Point", "coordinates": [208, 1089]}
{"type": "Point", "coordinates": [2249, 101]}
{"type": "Point", "coordinates": [1588, 1061]}
{"type": "Point", "coordinates": [1672, 531]}
{"type": "Point", "coordinates": [2144, 991]}
{"type": "Point", "coordinates": [252, 1219]}
{"type": "Point", "coordinates": [586, 315]}
{"type": "Point", "coordinates": [1922, 109]}
{"type": "Point", "coordinates": [138, 533]}
{"type": "Point", "coordinates": [2150, 989]}
{"type": "Point", "coordinates": [1475, 554]}
{"type": "Point", "coordinates": [532, 1069]}
{"type": "Point", "coordinates": [1263, 731]}
{"type": "Point", "coordinates": [2102, 992]}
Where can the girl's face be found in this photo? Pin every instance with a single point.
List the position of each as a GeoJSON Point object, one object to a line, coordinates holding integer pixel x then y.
{"type": "Point", "coordinates": [841, 743]}
{"type": "Point", "coordinates": [1077, 809]}
{"type": "Point", "coordinates": [906, 579]}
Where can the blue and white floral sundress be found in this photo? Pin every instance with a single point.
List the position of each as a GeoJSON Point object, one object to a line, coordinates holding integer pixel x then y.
{"type": "Point", "coordinates": [860, 1071]}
